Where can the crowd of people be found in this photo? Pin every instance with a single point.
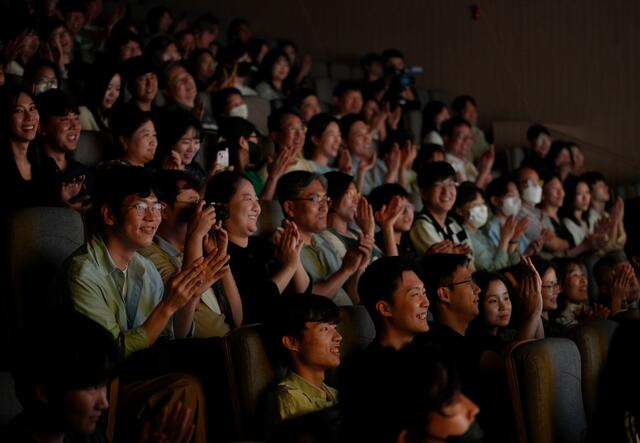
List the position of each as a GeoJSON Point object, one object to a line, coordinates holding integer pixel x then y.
{"type": "Point", "coordinates": [453, 257]}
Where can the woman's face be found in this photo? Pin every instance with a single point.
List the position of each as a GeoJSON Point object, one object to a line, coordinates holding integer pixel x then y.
{"type": "Point", "coordinates": [442, 117]}
{"type": "Point", "coordinates": [24, 119]}
{"type": "Point", "coordinates": [563, 160]}
{"type": "Point", "coordinates": [330, 141]}
{"type": "Point", "coordinates": [141, 146]}
{"type": "Point", "coordinates": [574, 286]}
{"type": "Point", "coordinates": [280, 69]}
{"type": "Point", "coordinates": [113, 92]}
{"type": "Point", "coordinates": [583, 197]}
{"type": "Point", "coordinates": [405, 221]}
{"type": "Point", "coordinates": [497, 305]}
{"type": "Point", "coordinates": [550, 290]}
{"type": "Point", "coordinates": [188, 146]}
{"type": "Point", "coordinates": [244, 210]}
{"type": "Point", "coordinates": [359, 140]}
{"type": "Point", "coordinates": [347, 206]}
{"type": "Point", "coordinates": [206, 66]}
{"type": "Point", "coordinates": [463, 210]}
{"type": "Point", "coordinates": [44, 80]}
{"type": "Point", "coordinates": [370, 109]}
{"type": "Point", "coordinates": [553, 193]}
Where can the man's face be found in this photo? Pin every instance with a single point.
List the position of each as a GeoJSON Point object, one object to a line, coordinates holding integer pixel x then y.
{"type": "Point", "coordinates": [146, 87]}
{"type": "Point", "coordinates": [600, 192]}
{"type": "Point", "coordinates": [396, 62]}
{"type": "Point", "coordinates": [350, 103]}
{"type": "Point", "coordinates": [319, 346]}
{"type": "Point", "coordinates": [309, 210]}
{"type": "Point", "coordinates": [129, 50]}
{"type": "Point", "coordinates": [291, 133]}
{"type": "Point", "coordinates": [463, 295]}
{"type": "Point", "coordinates": [310, 106]}
{"type": "Point", "coordinates": [74, 21]}
{"type": "Point", "coordinates": [408, 311]}
{"type": "Point", "coordinates": [80, 409]}
{"type": "Point", "coordinates": [62, 132]}
{"type": "Point", "coordinates": [183, 207]}
{"type": "Point", "coordinates": [137, 221]}
{"type": "Point", "coordinates": [460, 141]}
{"type": "Point", "coordinates": [553, 193]}
{"type": "Point", "coordinates": [440, 196]}
{"type": "Point", "coordinates": [359, 141]}
{"type": "Point", "coordinates": [470, 113]}
{"type": "Point", "coordinates": [181, 86]}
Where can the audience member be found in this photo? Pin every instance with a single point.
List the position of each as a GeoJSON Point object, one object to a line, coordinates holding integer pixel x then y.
{"type": "Point", "coordinates": [135, 135]}
{"type": "Point", "coordinates": [394, 215]}
{"type": "Point", "coordinates": [466, 107]}
{"type": "Point", "coordinates": [142, 84]}
{"type": "Point", "coordinates": [274, 70]}
{"type": "Point", "coordinates": [434, 114]}
{"type": "Point", "coordinates": [322, 144]}
{"type": "Point", "coordinates": [103, 93]}
{"type": "Point", "coordinates": [305, 100]}
{"type": "Point", "coordinates": [539, 139]}
{"type": "Point", "coordinates": [348, 99]}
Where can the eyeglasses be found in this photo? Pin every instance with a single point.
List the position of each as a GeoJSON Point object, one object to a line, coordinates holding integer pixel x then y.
{"type": "Point", "coordinates": [449, 184]}
{"type": "Point", "coordinates": [293, 128]}
{"type": "Point", "coordinates": [316, 199]}
{"type": "Point", "coordinates": [551, 286]}
{"type": "Point", "coordinates": [471, 282]}
{"type": "Point", "coordinates": [144, 208]}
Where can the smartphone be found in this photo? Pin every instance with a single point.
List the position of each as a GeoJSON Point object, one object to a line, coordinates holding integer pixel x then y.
{"type": "Point", "coordinates": [222, 158]}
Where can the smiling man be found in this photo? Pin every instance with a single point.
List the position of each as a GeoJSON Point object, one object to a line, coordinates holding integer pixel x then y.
{"type": "Point", "coordinates": [65, 180]}
{"type": "Point", "coordinates": [304, 327]}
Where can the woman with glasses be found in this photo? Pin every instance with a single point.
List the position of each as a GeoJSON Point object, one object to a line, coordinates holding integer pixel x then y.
{"type": "Point", "coordinates": [550, 290]}
{"type": "Point", "coordinates": [471, 209]}
{"type": "Point", "coordinates": [262, 270]}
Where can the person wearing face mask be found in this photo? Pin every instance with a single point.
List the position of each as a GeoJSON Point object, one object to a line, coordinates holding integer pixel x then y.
{"type": "Point", "coordinates": [40, 75]}
{"type": "Point", "coordinates": [539, 224]}
{"type": "Point", "coordinates": [504, 198]}
{"type": "Point", "coordinates": [228, 102]}
{"type": "Point", "coordinates": [472, 210]}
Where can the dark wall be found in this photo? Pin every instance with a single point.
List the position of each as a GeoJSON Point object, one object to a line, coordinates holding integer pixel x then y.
{"type": "Point", "coordinates": [570, 63]}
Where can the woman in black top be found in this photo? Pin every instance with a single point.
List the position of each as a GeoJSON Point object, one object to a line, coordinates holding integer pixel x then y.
{"type": "Point", "coordinates": [261, 269]}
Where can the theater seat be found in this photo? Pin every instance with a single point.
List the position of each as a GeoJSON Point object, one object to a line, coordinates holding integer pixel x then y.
{"type": "Point", "coordinates": [339, 71]}
{"type": "Point", "coordinates": [250, 375]}
{"type": "Point", "coordinates": [324, 89]}
{"type": "Point", "coordinates": [546, 390]}
{"type": "Point", "coordinates": [259, 110]}
{"type": "Point", "coordinates": [9, 404]}
{"type": "Point", "coordinates": [316, 427]}
{"type": "Point", "coordinates": [270, 218]}
{"type": "Point", "coordinates": [92, 147]}
{"type": "Point", "coordinates": [593, 340]}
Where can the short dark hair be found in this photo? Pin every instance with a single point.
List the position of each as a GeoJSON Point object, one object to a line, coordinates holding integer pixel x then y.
{"type": "Point", "coordinates": [173, 124]}
{"type": "Point", "coordinates": [592, 177]}
{"type": "Point", "coordinates": [205, 23]}
{"type": "Point", "coordinates": [458, 104]}
{"type": "Point", "coordinates": [293, 183]}
{"type": "Point", "coordinates": [291, 313]}
{"type": "Point", "coordinates": [34, 65]}
{"type": "Point", "coordinates": [535, 130]}
{"type": "Point", "coordinates": [219, 100]}
{"type": "Point", "coordinates": [391, 53]}
{"type": "Point", "coordinates": [299, 95]}
{"type": "Point", "coordinates": [434, 172]}
{"type": "Point", "coordinates": [127, 121]}
{"type": "Point", "coordinates": [222, 187]}
{"type": "Point", "coordinates": [347, 121]}
{"type": "Point", "coordinates": [379, 282]}
{"type": "Point", "coordinates": [337, 185]}
{"type": "Point", "coordinates": [137, 67]}
{"type": "Point", "coordinates": [398, 136]}
{"type": "Point", "coordinates": [316, 127]}
{"type": "Point", "coordinates": [383, 194]}
{"type": "Point", "coordinates": [498, 187]}
{"type": "Point", "coordinates": [167, 184]}
{"type": "Point", "coordinates": [63, 352]}
{"type": "Point", "coordinates": [449, 125]}
{"type": "Point", "coordinates": [116, 182]}
{"type": "Point", "coordinates": [467, 192]}
{"type": "Point", "coordinates": [370, 59]}
{"type": "Point", "coordinates": [437, 271]}
{"type": "Point", "coordinates": [346, 86]}
{"type": "Point", "coordinates": [425, 153]}
{"type": "Point", "coordinates": [276, 118]}
{"type": "Point", "coordinates": [55, 103]}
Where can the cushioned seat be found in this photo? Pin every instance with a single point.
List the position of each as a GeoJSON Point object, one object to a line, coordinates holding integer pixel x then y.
{"type": "Point", "coordinates": [92, 147]}
{"type": "Point", "coordinates": [9, 404]}
{"type": "Point", "coordinates": [593, 340]}
{"type": "Point", "coordinates": [270, 218]}
{"type": "Point", "coordinates": [259, 110]}
{"type": "Point", "coordinates": [546, 389]}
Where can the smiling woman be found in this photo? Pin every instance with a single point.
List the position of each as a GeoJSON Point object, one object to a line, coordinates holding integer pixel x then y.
{"type": "Point", "coordinates": [135, 134]}
{"type": "Point", "coordinates": [18, 128]}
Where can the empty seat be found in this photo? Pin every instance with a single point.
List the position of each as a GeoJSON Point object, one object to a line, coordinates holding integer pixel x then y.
{"type": "Point", "coordinates": [39, 240]}
{"type": "Point", "coordinates": [9, 404]}
{"type": "Point", "coordinates": [593, 339]}
{"type": "Point", "coordinates": [270, 218]}
{"type": "Point", "coordinates": [413, 120]}
{"type": "Point", "coordinates": [259, 110]}
{"type": "Point", "coordinates": [250, 375]}
{"type": "Point", "coordinates": [546, 390]}
{"type": "Point", "coordinates": [315, 427]}
{"type": "Point", "coordinates": [318, 69]}
{"type": "Point", "coordinates": [324, 89]}
{"type": "Point", "coordinates": [92, 147]}
{"type": "Point", "coordinates": [339, 71]}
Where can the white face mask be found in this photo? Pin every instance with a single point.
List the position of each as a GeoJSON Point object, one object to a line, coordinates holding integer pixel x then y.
{"type": "Point", "coordinates": [45, 86]}
{"type": "Point", "coordinates": [478, 216]}
{"type": "Point", "coordinates": [241, 111]}
{"type": "Point", "coordinates": [532, 194]}
{"type": "Point", "coordinates": [511, 206]}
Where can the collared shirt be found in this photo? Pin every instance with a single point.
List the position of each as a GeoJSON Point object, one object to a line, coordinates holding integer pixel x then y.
{"type": "Point", "coordinates": [464, 167]}
{"type": "Point", "coordinates": [373, 177]}
{"type": "Point", "coordinates": [426, 232]}
{"type": "Point", "coordinates": [96, 285]}
{"type": "Point", "coordinates": [486, 255]}
{"type": "Point", "coordinates": [208, 319]}
{"type": "Point", "coordinates": [320, 261]}
{"type": "Point", "coordinates": [297, 396]}
{"type": "Point", "coordinates": [492, 231]}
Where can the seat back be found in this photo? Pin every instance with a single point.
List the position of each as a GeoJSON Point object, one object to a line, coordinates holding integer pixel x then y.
{"type": "Point", "coordinates": [593, 339]}
{"type": "Point", "coordinates": [92, 147]}
{"type": "Point", "coordinates": [357, 330]}
{"type": "Point", "coordinates": [38, 241]}
{"type": "Point", "coordinates": [546, 390]}
{"type": "Point", "coordinates": [250, 374]}
{"type": "Point", "coordinates": [9, 404]}
{"type": "Point", "coordinates": [259, 110]}
{"type": "Point", "coordinates": [270, 218]}
{"type": "Point", "coordinates": [320, 426]}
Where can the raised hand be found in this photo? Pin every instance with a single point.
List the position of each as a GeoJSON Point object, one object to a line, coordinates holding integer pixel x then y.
{"type": "Point", "coordinates": [508, 229]}
{"type": "Point", "coordinates": [173, 162]}
{"type": "Point", "coordinates": [409, 152]}
{"type": "Point", "coordinates": [443, 247]}
{"type": "Point", "coordinates": [486, 160]}
{"type": "Point", "coordinates": [203, 219]}
{"type": "Point", "coordinates": [534, 247]}
{"type": "Point", "coordinates": [288, 244]}
{"type": "Point", "coordinates": [365, 166]}
{"type": "Point", "coordinates": [344, 161]}
{"type": "Point", "coordinates": [394, 158]}
{"type": "Point", "coordinates": [521, 226]}
{"type": "Point", "coordinates": [364, 217]}
{"type": "Point", "coordinates": [530, 289]}
{"type": "Point", "coordinates": [461, 248]}
{"type": "Point", "coordinates": [389, 214]}
{"type": "Point", "coordinates": [278, 165]}
{"type": "Point", "coordinates": [352, 260]}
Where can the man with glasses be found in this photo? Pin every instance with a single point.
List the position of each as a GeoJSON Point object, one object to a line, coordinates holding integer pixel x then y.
{"type": "Point", "coordinates": [433, 230]}
{"type": "Point", "coordinates": [187, 222]}
{"type": "Point", "coordinates": [303, 197]}
{"type": "Point", "coordinates": [457, 137]}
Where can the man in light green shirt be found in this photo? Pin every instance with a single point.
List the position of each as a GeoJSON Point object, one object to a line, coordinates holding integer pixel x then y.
{"type": "Point", "coordinates": [305, 327]}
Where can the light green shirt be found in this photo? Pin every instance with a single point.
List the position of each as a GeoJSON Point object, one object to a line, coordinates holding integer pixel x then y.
{"type": "Point", "coordinates": [297, 396]}
{"type": "Point", "coordinates": [320, 261]}
{"type": "Point", "coordinates": [119, 301]}
{"type": "Point", "coordinates": [486, 256]}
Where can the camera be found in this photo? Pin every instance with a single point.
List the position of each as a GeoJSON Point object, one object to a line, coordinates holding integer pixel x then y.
{"type": "Point", "coordinates": [222, 211]}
